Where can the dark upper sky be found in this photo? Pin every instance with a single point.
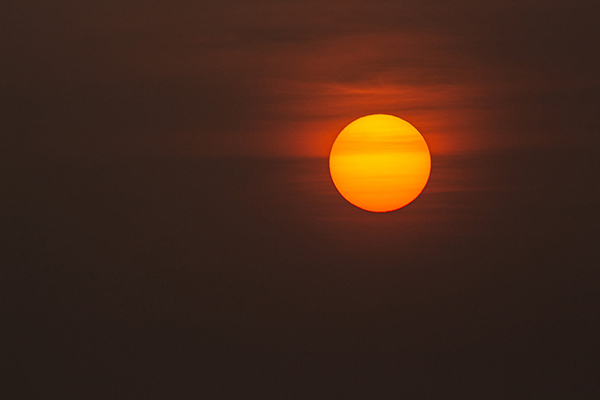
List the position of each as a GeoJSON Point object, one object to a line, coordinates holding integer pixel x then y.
{"type": "Point", "coordinates": [282, 78]}
{"type": "Point", "coordinates": [232, 268]}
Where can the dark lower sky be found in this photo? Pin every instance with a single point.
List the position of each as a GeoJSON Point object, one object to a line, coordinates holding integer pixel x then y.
{"type": "Point", "coordinates": [170, 229]}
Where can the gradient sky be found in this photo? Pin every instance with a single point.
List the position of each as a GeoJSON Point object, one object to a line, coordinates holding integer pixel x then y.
{"type": "Point", "coordinates": [170, 230]}
{"type": "Point", "coordinates": [272, 78]}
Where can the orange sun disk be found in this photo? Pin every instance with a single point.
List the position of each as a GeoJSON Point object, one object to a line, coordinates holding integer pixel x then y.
{"type": "Point", "coordinates": [380, 163]}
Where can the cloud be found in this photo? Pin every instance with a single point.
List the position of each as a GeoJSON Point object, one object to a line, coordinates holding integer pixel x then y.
{"type": "Point", "coordinates": [281, 78]}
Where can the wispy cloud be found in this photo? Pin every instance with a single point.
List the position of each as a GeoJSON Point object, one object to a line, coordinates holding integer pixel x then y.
{"type": "Point", "coordinates": [282, 78]}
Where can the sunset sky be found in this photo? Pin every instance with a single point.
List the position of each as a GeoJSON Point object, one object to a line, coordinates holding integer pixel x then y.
{"type": "Point", "coordinates": [171, 229]}
{"type": "Point", "coordinates": [271, 78]}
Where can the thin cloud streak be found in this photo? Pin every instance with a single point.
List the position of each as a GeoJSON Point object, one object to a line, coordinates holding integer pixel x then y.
{"type": "Point", "coordinates": [281, 79]}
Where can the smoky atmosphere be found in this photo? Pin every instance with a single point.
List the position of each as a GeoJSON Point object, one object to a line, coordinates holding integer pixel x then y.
{"type": "Point", "coordinates": [173, 226]}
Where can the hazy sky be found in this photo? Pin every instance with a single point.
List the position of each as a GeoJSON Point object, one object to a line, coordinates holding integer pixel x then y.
{"type": "Point", "coordinates": [283, 78]}
{"type": "Point", "coordinates": [207, 275]}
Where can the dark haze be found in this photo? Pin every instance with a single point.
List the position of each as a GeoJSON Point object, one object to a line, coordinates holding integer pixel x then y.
{"type": "Point", "coordinates": [170, 229]}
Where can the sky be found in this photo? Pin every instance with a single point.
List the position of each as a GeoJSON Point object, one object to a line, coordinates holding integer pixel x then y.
{"type": "Point", "coordinates": [280, 79]}
{"type": "Point", "coordinates": [170, 228]}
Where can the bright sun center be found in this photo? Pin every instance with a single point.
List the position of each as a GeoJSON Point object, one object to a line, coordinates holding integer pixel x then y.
{"type": "Point", "coordinates": [380, 163]}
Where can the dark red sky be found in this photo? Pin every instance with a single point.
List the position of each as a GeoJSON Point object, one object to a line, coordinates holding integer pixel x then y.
{"type": "Point", "coordinates": [164, 237]}
{"type": "Point", "coordinates": [282, 78]}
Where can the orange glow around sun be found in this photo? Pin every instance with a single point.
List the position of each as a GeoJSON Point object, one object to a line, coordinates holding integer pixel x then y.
{"type": "Point", "coordinates": [380, 163]}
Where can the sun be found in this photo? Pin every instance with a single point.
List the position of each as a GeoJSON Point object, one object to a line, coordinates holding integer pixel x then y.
{"type": "Point", "coordinates": [380, 163]}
